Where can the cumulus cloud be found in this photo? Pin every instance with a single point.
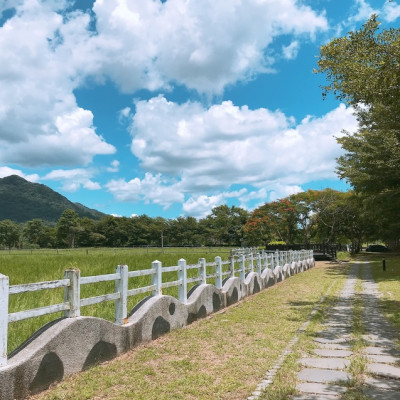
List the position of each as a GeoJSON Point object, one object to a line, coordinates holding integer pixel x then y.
{"type": "Point", "coordinates": [290, 52]}
{"type": "Point", "coordinates": [203, 152]}
{"type": "Point", "coordinates": [389, 12]}
{"type": "Point", "coordinates": [6, 171]}
{"type": "Point", "coordinates": [364, 11]}
{"type": "Point", "coordinates": [215, 147]}
{"type": "Point", "coordinates": [73, 179]}
{"type": "Point", "coordinates": [204, 46]}
{"type": "Point", "coordinates": [200, 206]}
{"type": "Point", "coordinates": [114, 166]}
{"type": "Point", "coordinates": [151, 189]}
{"type": "Point", "coordinates": [42, 60]}
{"type": "Point", "coordinates": [47, 51]}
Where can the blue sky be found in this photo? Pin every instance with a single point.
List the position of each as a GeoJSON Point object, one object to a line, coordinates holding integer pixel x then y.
{"type": "Point", "coordinates": [172, 108]}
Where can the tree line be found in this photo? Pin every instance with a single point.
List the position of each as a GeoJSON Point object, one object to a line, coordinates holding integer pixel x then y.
{"type": "Point", "coordinates": [326, 216]}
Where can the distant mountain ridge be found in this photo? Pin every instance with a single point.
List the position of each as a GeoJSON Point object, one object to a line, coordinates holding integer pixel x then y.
{"type": "Point", "coordinates": [21, 201]}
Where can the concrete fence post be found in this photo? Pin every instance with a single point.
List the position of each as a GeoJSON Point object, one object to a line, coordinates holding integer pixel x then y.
{"type": "Point", "coordinates": [251, 262]}
{"type": "Point", "coordinates": [218, 272]}
{"type": "Point", "coordinates": [202, 271]}
{"type": "Point", "coordinates": [182, 276]}
{"type": "Point", "coordinates": [72, 293]}
{"type": "Point", "coordinates": [4, 293]}
{"type": "Point", "coordinates": [259, 267]}
{"type": "Point", "coordinates": [243, 268]}
{"type": "Point", "coordinates": [156, 278]}
{"type": "Point", "coordinates": [232, 266]}
{"type": "Point", "coordinates": [121, 304]}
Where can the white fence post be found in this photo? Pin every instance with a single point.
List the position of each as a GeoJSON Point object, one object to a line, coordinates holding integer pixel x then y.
{"type": "Point", "coordinates": [156, 278]}
{"type": "Point", "coordinates": [243, 268]}
{"type": "Point", "coordinates": [4, 293]}
{"type": "Point", "coordinates": [259, 264]}
{"type": "Point", "coordinates": [72, 293]}
{"type": "Point", "coordinates": [121, 286]}
{"type": "Point", "coordinates": [202, 271]}
{"type": "Point", "coordinates": [218, 271]}
{"type": "Point", "coordinates": [182, 276]}
{"type": "Point", "coordinates": [233, 266]}
{"type": "Point", "coordinates": [251, 262]}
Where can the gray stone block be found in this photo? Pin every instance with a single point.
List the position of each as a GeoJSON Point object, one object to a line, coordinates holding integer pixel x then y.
{"type": "Point", "coordinates": [327, 363]}
{"type": "Point", "coordinates": [386, 384]}
{"type": "Point", "coordinates": [385, 370]}
{"type": "Point", "coordinates": [377, 358]}
{"type": "Point", "coordinates": [333, 353]}
{"type": "Point", "coordinates": [320, 388]}
{"type": "Point", "coordinates": [322, 375]}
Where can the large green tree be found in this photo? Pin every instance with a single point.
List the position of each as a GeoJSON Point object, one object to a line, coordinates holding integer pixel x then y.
{"type": "Point", "coordinates": [363, 69]}
{"type": "Point", "coordinates": [67, 228]}
{"type": "Point", "coordinates": [9, 233]}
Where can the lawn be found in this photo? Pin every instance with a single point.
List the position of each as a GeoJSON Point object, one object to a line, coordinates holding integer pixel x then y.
{"type": "Point", "coordinates": [221, 357]}
{"type": "Point", "coordinates": [44, 265]}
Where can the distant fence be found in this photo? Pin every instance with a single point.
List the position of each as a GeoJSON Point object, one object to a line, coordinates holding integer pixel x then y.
{"type": "Point", "coordinates": [324, 248]}
{"type": "Point", "coordinates": [241, 262]}
{"type": "Point", "coordinates": [141, 249]}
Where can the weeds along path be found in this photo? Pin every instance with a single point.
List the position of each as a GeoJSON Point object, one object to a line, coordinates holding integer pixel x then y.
{"type": "Point", "coordinates": [223, 356]}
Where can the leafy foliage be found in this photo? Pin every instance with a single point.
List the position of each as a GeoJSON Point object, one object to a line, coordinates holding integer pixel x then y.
{"type": "Point", "coordinates": [363, 70]}
{"type": "Point", "coordinates": [326, 216]}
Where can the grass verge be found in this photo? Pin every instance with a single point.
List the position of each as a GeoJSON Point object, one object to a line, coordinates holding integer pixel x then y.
{"type": "Point", "coordinates": [388, 284]}
{"type": "Point", "coordinates": [222, 357]}
{"type": "Point", "coordinates": [284, 383]}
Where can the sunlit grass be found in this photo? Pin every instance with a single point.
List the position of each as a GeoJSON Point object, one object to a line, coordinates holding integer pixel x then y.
{"type": "Point", "coordinates": [44, 265]}
{"type": "Point", "coordinates": [221, 357]}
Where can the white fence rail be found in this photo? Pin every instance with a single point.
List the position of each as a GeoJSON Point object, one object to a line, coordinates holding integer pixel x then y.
{"type": "Point", "coordinates": [241, 262]}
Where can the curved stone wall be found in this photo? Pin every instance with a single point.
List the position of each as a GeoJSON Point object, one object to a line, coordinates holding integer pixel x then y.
{"type": "Point", "coordinates": [70, 345]}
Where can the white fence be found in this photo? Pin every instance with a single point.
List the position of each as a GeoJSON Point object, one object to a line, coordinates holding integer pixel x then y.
{"type": "Point", "coordinates": [241, 262]}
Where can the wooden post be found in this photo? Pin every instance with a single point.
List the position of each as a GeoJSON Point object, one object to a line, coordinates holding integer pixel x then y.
{"type": "Point", "coordinates": [232, 266]}
{"type": "Point", "coordinates": [72, 293]}
{"type": "Point", "coordinates": [4, 293]}
{"type": "Point", "coordinates": [156, 278]}
{"type": "Point", "coordinates": [202, 271]}
{"type": "Point", "coordinates": [218, 271]}
{"type": "Point", "coordinates": [121, 304]}
{"type": "Point", "coordinates": [182, 276]}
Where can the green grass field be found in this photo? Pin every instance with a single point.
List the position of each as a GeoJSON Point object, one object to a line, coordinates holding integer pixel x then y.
{"type": "Point", "coordinates": [223, 356]}
{"type": "Point", "coordinates": [27, 266]}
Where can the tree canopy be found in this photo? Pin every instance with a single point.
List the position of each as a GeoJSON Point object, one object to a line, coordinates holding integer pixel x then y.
{"type": "Point", "coordinates": [363, 69]}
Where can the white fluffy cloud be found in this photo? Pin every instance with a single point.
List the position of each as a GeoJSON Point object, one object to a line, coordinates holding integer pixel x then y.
{"type": "Point", "coordinates": [42, 60]}
{"type": "Point", "coordinates": [73, 179]}
{"type": "Point", "coordinates": [204, 152]}
{"type": "Point", "coordinates": [208, 149]}
{"type": "Point", "coordinates": [151, 189]}
{"type": "Point", "coordinates": [203, 45]}
{"type": "Point", "coordinates": [6, 171]}
{"type": "Point", "coordinates": [290, 52]}
{"type": "Point", "coordinates": [389, 12]}
{"type": "Point", "coordinates": [47, 51]}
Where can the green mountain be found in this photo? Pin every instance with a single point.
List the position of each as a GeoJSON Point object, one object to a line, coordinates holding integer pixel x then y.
{"type": "Point", "coordinates": [23, 201]}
